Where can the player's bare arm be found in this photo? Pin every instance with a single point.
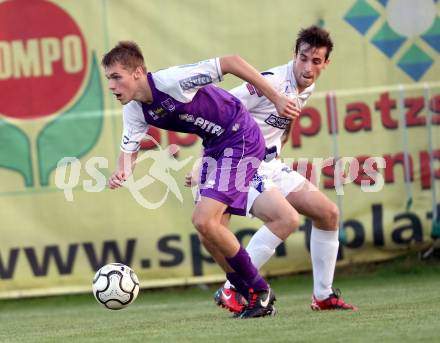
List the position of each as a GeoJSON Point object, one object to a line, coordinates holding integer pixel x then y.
{"type": "Point", "coordinates": [237, 66]}
{"type": "Point", "coordinates": [125, 166]}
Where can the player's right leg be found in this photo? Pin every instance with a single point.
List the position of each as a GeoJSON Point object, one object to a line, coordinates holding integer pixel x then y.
{"type": "Point", "coordinates": [234, 297]}
{"type": "Point", "coordinates": [206, 218]}
{"type": "Point", "coordinates": [280, 220]}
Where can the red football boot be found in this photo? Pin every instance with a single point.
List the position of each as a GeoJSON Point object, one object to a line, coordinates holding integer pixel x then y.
{"type": "Point", "coordinates": [230, 299]}
{"type": "Point", "coordinates": [333, 302]}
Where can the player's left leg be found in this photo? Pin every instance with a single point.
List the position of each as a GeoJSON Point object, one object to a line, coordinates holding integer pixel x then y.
{"type": "Point", "coordinates": [207, 220]}
{"type": "Point", "coordinates": [324, 244]}
{"type": "Point", "coordinates": [227, 298]}
{"type": "Point", "coordinates": [280, 220]}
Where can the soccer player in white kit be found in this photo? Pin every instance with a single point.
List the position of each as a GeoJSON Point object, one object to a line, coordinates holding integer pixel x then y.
{"type": "Point", "coordinates": [297, 79]}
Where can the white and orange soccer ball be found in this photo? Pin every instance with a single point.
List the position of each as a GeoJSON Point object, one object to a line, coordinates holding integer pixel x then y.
{"type": "Point", "coordinates": [115, 286]}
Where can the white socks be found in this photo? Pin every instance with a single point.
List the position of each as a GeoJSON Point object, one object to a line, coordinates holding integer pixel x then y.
{"type": "Point", "coordinates": [324, 251]}
{"type": "Point", "coordinates": [261, 247]}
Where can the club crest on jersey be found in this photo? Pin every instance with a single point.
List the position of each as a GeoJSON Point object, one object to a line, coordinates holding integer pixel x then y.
{"type": "Point", "coordinates": [168, 104]}
{"type": "Point", "coordinates": [278, 122]}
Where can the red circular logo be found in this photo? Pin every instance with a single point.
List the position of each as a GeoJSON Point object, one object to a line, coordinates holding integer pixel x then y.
{"type": "Point", "coordinates": [43, 58]}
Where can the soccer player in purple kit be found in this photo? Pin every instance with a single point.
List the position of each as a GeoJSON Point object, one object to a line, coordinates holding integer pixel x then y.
{"type": "Point", "coordinates": [183, 99]}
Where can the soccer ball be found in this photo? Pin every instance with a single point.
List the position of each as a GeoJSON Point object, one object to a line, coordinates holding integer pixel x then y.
{"type": "Point", "coordinates": [115, 286]}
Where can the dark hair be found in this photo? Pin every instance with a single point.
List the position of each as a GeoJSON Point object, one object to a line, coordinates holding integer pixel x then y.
{"type": "Point", "coordinates": [127, 53]}
{"type": "Point", "coordinates": [316, 37]}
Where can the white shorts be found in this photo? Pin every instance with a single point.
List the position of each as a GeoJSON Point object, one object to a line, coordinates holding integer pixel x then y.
{"type": "Point", "coordinates": [273, 174]}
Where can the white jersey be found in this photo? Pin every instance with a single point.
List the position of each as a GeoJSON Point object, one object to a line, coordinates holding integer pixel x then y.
{"type": "Point", "coordinates": [263, 110]}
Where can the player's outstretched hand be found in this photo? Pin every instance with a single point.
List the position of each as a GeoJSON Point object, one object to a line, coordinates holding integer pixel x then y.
{"type": "Point", "coordinates": [116, 179]}
{"type": "Point", "coordinates": [287, 107]}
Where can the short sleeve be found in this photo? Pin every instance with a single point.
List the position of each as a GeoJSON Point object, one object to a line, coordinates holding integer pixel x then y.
{"type": "Point", "coordinates": [182, 82]}
{"type": "Point", "coordinates": [135, 127]}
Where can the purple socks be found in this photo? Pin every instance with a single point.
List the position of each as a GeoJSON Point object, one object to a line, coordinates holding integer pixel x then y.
{"type": "Point", "coordinates": [246, 275]}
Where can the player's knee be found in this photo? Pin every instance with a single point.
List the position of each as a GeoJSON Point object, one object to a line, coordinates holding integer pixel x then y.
{"type": "Point", "coordinates": [286, 224]}
{"type": "Point", "coordinates": [334, 215]}
{"type": "Point", "coordinates": [198, 222]}
{"type": "Point", "coordinates": [202, 224]}
{"type": "Point", "coordinates": [291, 221]}
{"type": "Point", "coordinates": [330, 217]}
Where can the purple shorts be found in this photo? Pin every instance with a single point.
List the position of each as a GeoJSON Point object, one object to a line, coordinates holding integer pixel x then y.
{"type": "Point", "coordinates": [227, 178]}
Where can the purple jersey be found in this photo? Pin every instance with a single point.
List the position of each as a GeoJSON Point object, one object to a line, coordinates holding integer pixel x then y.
{"type": "Point", "coordinates": [184, 100]}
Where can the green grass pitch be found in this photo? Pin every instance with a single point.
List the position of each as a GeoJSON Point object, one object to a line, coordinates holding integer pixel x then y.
{"type": "Point", "coordinates": [398, 302]}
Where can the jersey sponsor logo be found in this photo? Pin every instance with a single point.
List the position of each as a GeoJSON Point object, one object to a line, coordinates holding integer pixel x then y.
{"type": "Point", "coordinates": [153, 115]}
{"type": "Point", "coordinates": [126, 140]}
{"type": "Point", "coordinates": [157, 113]}
{"type": "Point", "coordinates": [195, 81]}
{"type": "Point", "coordinates": [209, 126]}
{"type": "Point", "coordinates": [278, 122]}
{"type": "Point", "coordinates": [187, 117]}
